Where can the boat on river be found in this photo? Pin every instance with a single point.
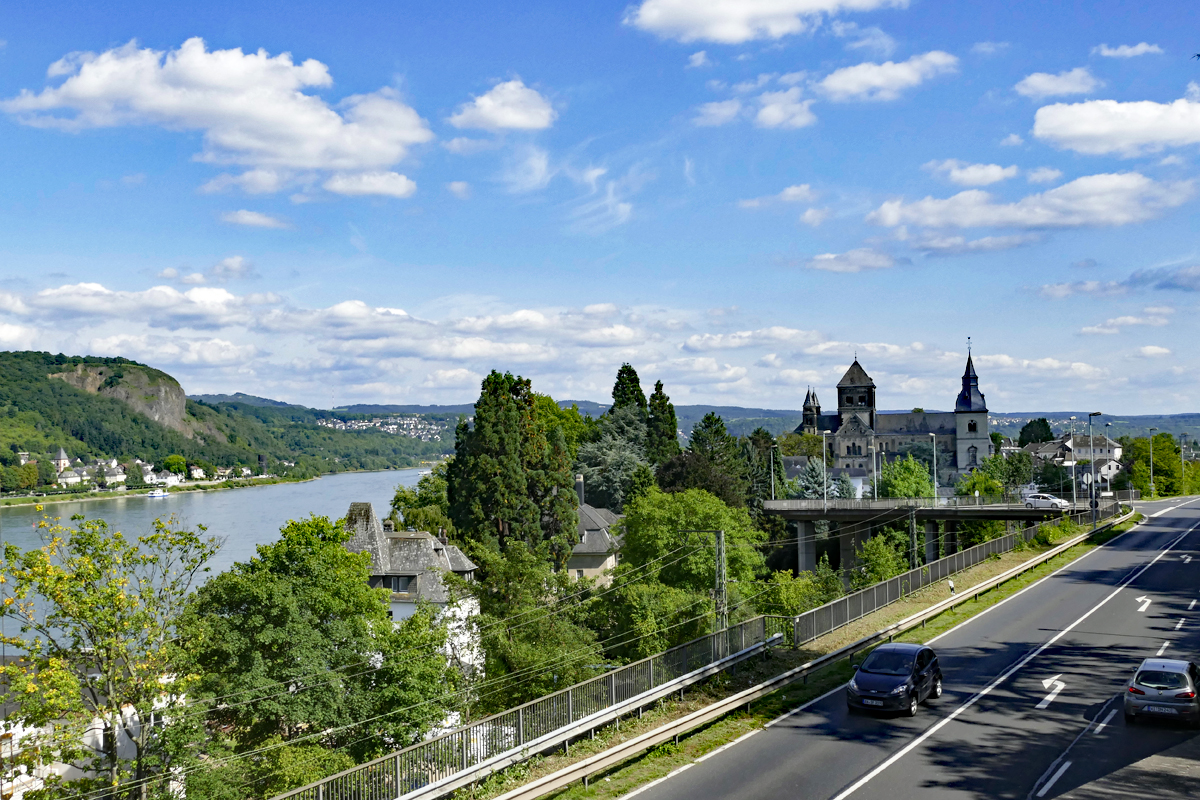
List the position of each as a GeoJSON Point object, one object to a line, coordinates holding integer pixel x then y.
{"type": "Point", "coordinates": [158, 493]}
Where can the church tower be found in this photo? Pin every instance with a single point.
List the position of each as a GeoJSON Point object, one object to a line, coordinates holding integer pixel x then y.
{"type": "Point", "coordinates": [971, 422]}
{"type": "Point", "coordinates": [811, 420]}
{"type": "Point", "coordinates": [856, 396]}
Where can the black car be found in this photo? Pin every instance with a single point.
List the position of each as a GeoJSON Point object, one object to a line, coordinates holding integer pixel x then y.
{"type": "Point", "coordinates": [895, 677]}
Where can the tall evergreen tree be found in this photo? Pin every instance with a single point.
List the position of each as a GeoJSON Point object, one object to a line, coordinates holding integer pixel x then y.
{"type": "Point", "coordinates": [662, 435]}
{"type": "Point", "coordinates": [1036, 430]}
{"type": "Point", "coordinates": [627, 391]}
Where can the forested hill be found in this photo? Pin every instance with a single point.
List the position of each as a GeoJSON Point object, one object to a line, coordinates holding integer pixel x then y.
{"type": "Point", "coordinates": [113, 407]}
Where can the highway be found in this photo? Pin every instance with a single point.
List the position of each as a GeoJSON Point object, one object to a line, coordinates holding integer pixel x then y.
{"type": "Point", "coordinates": [1031, 707]}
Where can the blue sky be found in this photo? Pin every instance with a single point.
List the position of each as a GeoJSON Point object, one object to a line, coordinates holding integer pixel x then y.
{"type": "Point", "coordinates": [382, 202]}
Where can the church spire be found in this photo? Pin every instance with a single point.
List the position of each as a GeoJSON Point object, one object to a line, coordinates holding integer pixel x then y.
{"type": "Point", "coordinates": [970, 398]}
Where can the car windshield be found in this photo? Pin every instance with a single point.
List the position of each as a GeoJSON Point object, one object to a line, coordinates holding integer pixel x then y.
{"type": "Point", "coordinates": [1155, 679]}
{"type": "Point", "coordinates": [888, 662]}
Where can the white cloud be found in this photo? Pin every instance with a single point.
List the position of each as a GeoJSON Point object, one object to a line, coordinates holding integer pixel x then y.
{"type": "Point", "coordinates": [1183, 279]}
{"type": "Point", "coordinates": [510, 105]}
{"type": "Point", "coordinates": [1052, 367]}
{"type": "Point", "coordinates": [863, 258]}
{"type": "Point", "coordinates": [971, 174]}
{"type": "Point", "coordinates": [529, 171]}
{"type": "Point", "coordinates": [797, 377]}
{"type": "Point", "coordinates": [1043, 175]}
{"type": "Point", "coordinates": [784, 110]}
{"type": "Point", "coordinates": [1153, 351]}
{"type": "Point", "coordinates": [1126, 51]}
{"type": "Point", "coordinates": [464, 146]}
{"type": "Point", "coordinates": [698, 59]}
{"type": "Point", "coordinates": [452, 379]}
{"type": "Point", "coordinates": [1012, 140]}
{"type": "Point", "coordinates": [1043, 84]}
{"type": "Point", "coordinates": [814, 216]}
{"type": "Point", "coordinates": [252, 219]}
{"type": "Point", "coordinates": [798, 193]}
{"type": "Point", "coordinates": [136, 179]}
{"type": "Point", "coordinates": [1059, 291]}
{"type": "Point", "coordinates": [870, 81]}
{"type": "Point", "coordinates": [1107, 200]}
{"type": "Point", "coordinates": [957, 245]}
{"type": "Point", "coordinates": [231, 268]}
{"type": "Point", "coordinates": [764, 336]}
{"type": "Point", "coordinates": [253, 181]}
{"type": "Point", "coordinates": [738, 21]}
{"type": "Point", "coordinates": [1155, 317]}
{"type": "Point", "coordinates": [759, 82]}
{"type": "Point", "coordinates": [251, 108]}
{"type": "Point", "coordinates": [989, 48]}
{"type": "Point", "coordinates": [160, 306]}
{"type": "Point", "coordinates": [716, 113]}
{"type": "Point", "coordinates": [460, 189]}
{"type": "Point", "coordinates": [873, 39]}
{"type": "Point", "coordinates": [17, 337]}
{"type": "Point", "coordinates": [174, 349]}
{"type": "Point", "coordinates": [1104, 127]}
{"type": "Point", "coordinates": [387, 184]}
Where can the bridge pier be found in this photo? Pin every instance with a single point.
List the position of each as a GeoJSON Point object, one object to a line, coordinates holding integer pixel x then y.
{"type": "Point", "coordinates": [806, 545]}
{"type": "Point", "coordinates": [931, 541]}
{"type": "Point", "coordinates": [951, 537]}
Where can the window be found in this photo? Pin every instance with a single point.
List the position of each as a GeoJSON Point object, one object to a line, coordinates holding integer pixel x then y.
{"type": "Point", "coordinates": [849, 450]}
{"type": "Point", "coordinates": [923, 659]}
{"type": "Point", "coordinates": [399, 583]}
{"type": "Point", "coordinates": [862, 399]}
{"type": "Point", "coordinates": [578, 573]}
{"type": "Point", "coordinates": [972, 427]}
{"type": "Point", "coordinates": [972, 456]}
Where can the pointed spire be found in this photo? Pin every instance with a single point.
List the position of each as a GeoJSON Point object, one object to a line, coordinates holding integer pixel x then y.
{"type": "Point", "coordinates": [808, 398]}
{"type": "Point", "coordinates": [970, 398]}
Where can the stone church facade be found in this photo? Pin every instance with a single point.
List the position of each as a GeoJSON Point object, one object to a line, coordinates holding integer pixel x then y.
{"type": "Point", "coordinates": [857, 432]}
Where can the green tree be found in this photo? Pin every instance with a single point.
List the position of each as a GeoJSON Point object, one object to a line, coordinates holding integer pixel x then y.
{"type": "Point", "coordinates": [1167, 466]}
{"type": "Point", "coordinates": [425, 507]}
{"type": "Point", "coordinates": [46, 475]}
{"type": "Point", "coordinates": [301, 614]}
{"type": "Point", "coordinates": [843, 487]}
{"type": "Point", "coordinates": [1035, 431]}
{"type": "Point", "coordinates": [978, 481]}
{"type": "Point", "coordinates": [175, 463]}
{"type": "Point", "coordinates": [800, 444]}
{"type": "Point", "coordinates": [877, 559]}
{"type": "Point", "coordinates": [27, 475]}
{"type": "Point", "coordinates": [96, 613]}
{"type": "Point", "coordinates": [662, 433]}
{"type": "Point", "coordinates": [627, 391]}
{"type": "Point", "coordinates": [813, 481]}
{"type": "Point", "coordinates": [577, 428]}
{"type": "Point", "coordinates": [905, 477]}
{"type": "Point", "coordinates": [609, 463]}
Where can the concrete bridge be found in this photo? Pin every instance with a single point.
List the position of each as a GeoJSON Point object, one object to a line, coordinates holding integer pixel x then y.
{"type": "Point", "coordinates": [855, 520]}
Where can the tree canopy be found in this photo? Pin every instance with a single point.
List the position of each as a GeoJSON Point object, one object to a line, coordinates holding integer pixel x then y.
{"type": "Point", "coordinates": [1035, 431]}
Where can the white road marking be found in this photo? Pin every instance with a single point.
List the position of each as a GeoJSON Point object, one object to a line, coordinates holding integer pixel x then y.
{"type": "Point", "coordinates": [1187, 559]}
{"type": "Point", "coordinates": [975, 698]}
{"type": "Point", "coordinates": [1107, 718]}
{"type": "Point", "coordinates": [1179, 624]}
{"type": "Point", "coordinates": [728, 745]}
{"type": "Point", "coordinates": [1163, 649]}
{"type": "Point", "coordinates": [657, 781]}
{"type": "Point", "coordinates": [1145, 601]}
{"type": "Point", "coordinates": [1058, 687]}
{"type": "Point", "coordinates": [1191, 605]}
{"type": "Point", "coordinates": [1053, 779]}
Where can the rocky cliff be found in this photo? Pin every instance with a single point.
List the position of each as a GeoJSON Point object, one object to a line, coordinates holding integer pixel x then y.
{"type": "Point", "coordinates": [147, 391]}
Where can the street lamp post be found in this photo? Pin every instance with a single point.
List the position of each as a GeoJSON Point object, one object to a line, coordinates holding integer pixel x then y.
{"type": "Point", "coordinates": [1182, 465]}
{"type": "Point", "coordinates": [824, 471]}
{"type": "Point", "coordinates": [874, 474]}
{"type": "Point", "coordinates": [934, 437]}
{"type": "Point", "coordinates": [1108, 447]}
{"type": "Point", "coordinates": [1152, 430]}
{"type": "Point", "coordinates": [771, 454]}
{"type": "Point", "coordinates": [1074, 458]}
{"type": "Point", "coordinates": [1092, 453]}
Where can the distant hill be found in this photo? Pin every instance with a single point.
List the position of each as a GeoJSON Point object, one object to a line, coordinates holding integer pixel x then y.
{"type": "Point", "coordinates": [114, 407]}
{"type": "Point", "coordinates": [238, 397]}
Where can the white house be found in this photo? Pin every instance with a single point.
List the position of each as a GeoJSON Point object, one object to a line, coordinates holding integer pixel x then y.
{"type": "Point", "coordinates": [196, 473]}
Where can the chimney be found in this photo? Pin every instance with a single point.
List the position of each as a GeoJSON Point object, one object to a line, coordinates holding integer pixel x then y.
{"type": "Point", "coordinates": [579, 487]}
{"type": "Point", "coordinates": [442, 536]}
{"type": "Point", "coordinates": [389, 526]}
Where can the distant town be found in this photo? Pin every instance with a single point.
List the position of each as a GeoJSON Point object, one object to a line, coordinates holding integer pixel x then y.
{"type": "Point", "coordinates": [415, 426]}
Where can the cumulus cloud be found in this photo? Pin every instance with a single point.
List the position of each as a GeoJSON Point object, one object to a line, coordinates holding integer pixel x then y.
{"type": "Point", "coordinates": [452, 379]}
{"type": "Point", "coordinates": [174, 349]}
{"type": "Point", "coordinates": [872, 39]}
{"type": "Point", "coordinates": [1043, 175]}
{"type": "Point", "coordinates": [159, 306]}
{"type": "Point", "coordinates": [253, 181]}
{"type": "Point", "coordinates": [1043, 84]}
{"type": "Point", "coordinates": [385, 184]}
{"type": "Point", "coordinates": [863, 258]}
{"type": "Point", "coordinates": [886, 81]}
{"type": "Point", "coordinates": [989, 48]}
{"type": "Point", "coordinates": [798, 193]}
{"type": "Point", "coordinates": [959, 245]}
{"type": "Point", "coordinates": [698, 59]}
{"type": "Point", "coordinates": [466, 146]}
{"type": "Point", "coordinates": [510, 105]}
{"type": "Point", "coordinates": [719, 112]}
{"type": "Point", "coordinates": [1094, 200]}
{"type": "Point", "coordinates": [252, 219]}
{"type": "Point", "coordinates": [1053, 367]}
{"type": "Point", "coordinates": [1126, 50]}
{"type": "Point", "coordinates": [1153, 351]}
{"type": "Point", "coordinates": [1155, 317]}
{"type": "Point", "coordinates": [815, 216]}
{"type": "Point", "coordinates": [1012, 140]}
{"type": "Point", "coordinates": [784, 109]}
{"type": "Point", "coordinates": [763, 336]}
{"type": "Point", "coordinates": [252, 109]}
{"type": "Point", "coordinates": [460, 189]}
{"type": "Point", "coordinates": [971, 174]}
{"type": "Point", "coordinates": [742, 21]}
{"type": "Point", "coordinates": [1105, 127]}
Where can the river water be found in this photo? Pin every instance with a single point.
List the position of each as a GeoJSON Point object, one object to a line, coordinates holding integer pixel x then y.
{"type": "Point", "coordinates": [244, 517]}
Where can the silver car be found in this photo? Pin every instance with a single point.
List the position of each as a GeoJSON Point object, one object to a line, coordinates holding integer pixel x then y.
{"type": "Point", "coordinates": [1045, 501]}
{"type": "Point", "coordinates": [1164, 688]}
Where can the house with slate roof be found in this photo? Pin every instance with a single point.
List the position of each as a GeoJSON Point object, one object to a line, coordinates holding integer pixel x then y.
{"type": "Point", "coordinates": [599, 548]}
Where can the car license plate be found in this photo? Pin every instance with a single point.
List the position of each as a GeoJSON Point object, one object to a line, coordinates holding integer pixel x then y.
{"type": "Point", "coordinates": [867, 702]}
{"type": "Point", "coordinates": [1161, 710]}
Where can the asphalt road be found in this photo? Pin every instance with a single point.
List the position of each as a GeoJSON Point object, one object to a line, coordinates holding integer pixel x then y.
{"type": "Point", "coordinates": [1083, 627]}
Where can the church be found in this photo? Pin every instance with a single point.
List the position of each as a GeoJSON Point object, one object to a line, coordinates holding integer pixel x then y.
{"type": "Point", "coordinates": [857, 435]}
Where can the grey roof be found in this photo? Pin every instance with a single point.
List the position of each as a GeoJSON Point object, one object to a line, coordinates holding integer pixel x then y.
{"type": "Point", "coordinates": [62, 454]}
{"type": "Point", "coordinates": [856, 376]}
{"type": "Point", "coordinates": [942, 422]}
{"type": "Point", "coordinates": [595, 535]}
{"type": "Point", "coordinates": [970, 398]}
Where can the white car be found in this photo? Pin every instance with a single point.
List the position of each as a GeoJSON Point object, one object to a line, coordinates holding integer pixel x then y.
{"type": "Point", "coordinates": [1046, 501]}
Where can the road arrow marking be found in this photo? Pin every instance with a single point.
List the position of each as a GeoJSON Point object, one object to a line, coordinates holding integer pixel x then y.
{"type": "Point", "coordinates": [1145, 601]}
{"type": "Point", "coordinates": [1187, 559]}
{"type": "Point", "coordinates": [1058, 687]}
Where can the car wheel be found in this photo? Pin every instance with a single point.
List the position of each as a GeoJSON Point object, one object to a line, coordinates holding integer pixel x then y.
{"type": "Point", "coordinates": [912, 704]}
{"type": "Point", "coordinates": [1029, 505]}
{"type": "Point", "coordinates": [936, 691]}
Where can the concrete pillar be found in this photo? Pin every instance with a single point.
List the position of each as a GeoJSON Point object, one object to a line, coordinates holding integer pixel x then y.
{"type": "Point", "coordinates": [847, 541]}
{"type": "Point", "coordinates": [806, 547]}
{"type": "Point", "coordinates": [951, 537]}
{"type": "Point", "coordinates": [931, 541]}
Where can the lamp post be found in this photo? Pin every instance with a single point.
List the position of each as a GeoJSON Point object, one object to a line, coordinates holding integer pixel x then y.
{"type": "Point", "coordinates": [1074, 458]}
{"type": "Point", "coordinates": [933, 436]}
{"type": "Point", "coordinates": [824, 471]}
{"type": "Point", "coordinates": [1108, 446]}
{"type": "Point", "coordinates": [771, 454]}
{"type": "Point", "coordinates": [1182, 465]}
{"type": "Point", "coordinates": [1092, 453]}
{"type": "Point", "coordinates": [1152, 430]}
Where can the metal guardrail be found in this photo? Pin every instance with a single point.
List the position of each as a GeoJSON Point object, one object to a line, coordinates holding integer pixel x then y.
{"type": "Point", "coordinates": [856, 605]}
{"type": "Point", "coordinates": [580, 770]}
{"type": "Point", "coordinates": [464, 749]}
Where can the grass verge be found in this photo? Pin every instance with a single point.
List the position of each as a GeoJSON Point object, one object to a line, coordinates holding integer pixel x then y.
{"type": "Point", "coordinates": [662, 760]}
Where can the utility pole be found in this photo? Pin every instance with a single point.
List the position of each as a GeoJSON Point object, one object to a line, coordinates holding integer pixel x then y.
{"type": "Point", "coordinates": [1182, 465]}
{"type": "Point", "coordinates": [1092, 453]}
{"type": "Point", "coordinates": [824, 472]}
{"type": "Point", "coordinates": [912, 538]}
{"type": "Point", "coordinates": [771, 454]}
{"type": "Point", "coordinates": [1152, 430]}
{"type": "Point", "coordinates": [933, 436]}
{"type": "Point", "coordinates": [1074, 459]}
{"type": "Point", "coordinates": [720, 595]}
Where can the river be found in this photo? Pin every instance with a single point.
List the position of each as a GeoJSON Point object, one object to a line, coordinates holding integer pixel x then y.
{"type": "Point", "coordinates": [244, 517]}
